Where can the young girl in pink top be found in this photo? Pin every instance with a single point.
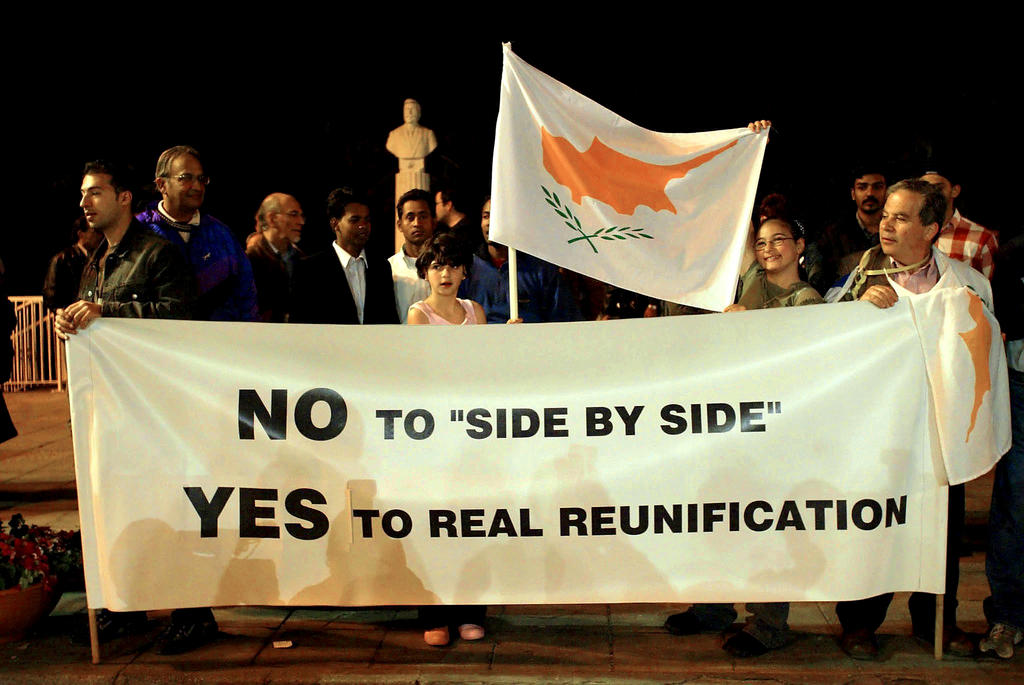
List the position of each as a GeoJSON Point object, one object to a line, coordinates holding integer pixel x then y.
{"type": "Point", "coordinates": [445, 264]}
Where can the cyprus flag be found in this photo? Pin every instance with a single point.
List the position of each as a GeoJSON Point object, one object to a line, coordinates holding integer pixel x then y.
{"type": "Point", "coordinates": [663, 214]}
{"type": "Point", "coordinates": [967, 376]}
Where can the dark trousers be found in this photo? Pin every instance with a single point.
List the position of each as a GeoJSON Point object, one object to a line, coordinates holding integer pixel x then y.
{"type": "Point", "coordinates": [870, 613]}
{"type": "Point", "coordinates": [1004, 561]}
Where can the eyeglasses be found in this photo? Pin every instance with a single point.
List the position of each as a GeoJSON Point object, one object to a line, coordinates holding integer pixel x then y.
{"type": "Point", "coordinates": [776, 242]}
{"type": "Point", "coordinates": [189, 179]}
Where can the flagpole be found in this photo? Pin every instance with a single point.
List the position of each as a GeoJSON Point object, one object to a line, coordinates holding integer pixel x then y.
{"type": "Point", "coordinates": [94, 639]}
{"type": "Point", "coordinates": [513, 285]}
{"type": "Point", "coordinates": [940, 598]}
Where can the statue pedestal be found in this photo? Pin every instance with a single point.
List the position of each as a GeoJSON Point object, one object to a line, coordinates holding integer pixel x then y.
{"type": "Point", "coordinates": [410, 143]}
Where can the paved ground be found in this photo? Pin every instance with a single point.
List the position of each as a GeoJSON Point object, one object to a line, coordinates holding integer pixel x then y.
{"type": "Point", "coordinates": [596, 643]}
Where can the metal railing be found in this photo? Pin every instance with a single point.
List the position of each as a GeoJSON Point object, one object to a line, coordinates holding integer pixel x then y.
{"type": "Point", "coordinates": [38, 354]}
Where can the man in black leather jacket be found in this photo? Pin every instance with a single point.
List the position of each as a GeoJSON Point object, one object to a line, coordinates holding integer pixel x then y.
{"type": "Point", "coordinates": [133, 273]}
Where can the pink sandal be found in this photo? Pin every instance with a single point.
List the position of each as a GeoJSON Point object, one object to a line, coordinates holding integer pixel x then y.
{"type": "Point", "coordinates": [471, 631]}
{"type": "Point", "coordinates": [436, 637]}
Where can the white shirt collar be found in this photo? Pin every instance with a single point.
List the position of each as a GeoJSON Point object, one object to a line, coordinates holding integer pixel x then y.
{"type": "Point", "coordinates": [344, 257]}
{"type": "Point", "coordinates": [194, 221]}
{"type": "Point", "coordinates": [410, 261]}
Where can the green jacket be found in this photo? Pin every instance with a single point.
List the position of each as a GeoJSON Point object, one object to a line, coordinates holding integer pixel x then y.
{"type": "Point", "coordinates": [756, 292]}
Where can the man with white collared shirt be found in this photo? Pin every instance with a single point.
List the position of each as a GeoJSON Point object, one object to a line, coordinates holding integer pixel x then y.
{"type": "Point", "coordinates": [343, 285]}
{"type": "Point", "coordinates": [416, 222]}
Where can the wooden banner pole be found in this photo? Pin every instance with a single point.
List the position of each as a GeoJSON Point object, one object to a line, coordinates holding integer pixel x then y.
{"type": "Point", "coordinates": [513, 285]}
{"type": "Point", "coordinates": [94, 638]}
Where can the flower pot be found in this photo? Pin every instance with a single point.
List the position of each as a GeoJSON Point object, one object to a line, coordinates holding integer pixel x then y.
{"type": "Point", "coordinates": [22, 609]}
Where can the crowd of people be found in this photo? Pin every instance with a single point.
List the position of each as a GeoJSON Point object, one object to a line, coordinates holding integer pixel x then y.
{"type": "Point", "coordinates": [174, 260]}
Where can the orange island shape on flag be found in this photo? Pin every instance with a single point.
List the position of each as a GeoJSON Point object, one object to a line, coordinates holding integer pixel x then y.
{"type": "Point", "coordinates": [978, 341]}
{"type": "Point", "coordinates": [621, 182]}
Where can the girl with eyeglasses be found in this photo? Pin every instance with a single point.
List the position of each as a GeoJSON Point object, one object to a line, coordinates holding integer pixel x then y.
{"type": "Point", "coordinates": [773, 279]}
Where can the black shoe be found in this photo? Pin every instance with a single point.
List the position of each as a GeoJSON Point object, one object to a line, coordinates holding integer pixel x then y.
{"type": "Point", "coordinates": [184, 636]}
{"type": "Point", "coordinates": [954, 640]}
{"type": "Point", "coordinates": [860, 644]}
{"type": "Point", "coordinates": [111, 625]}
{"type": "Point", "coordinates": [685, 623]}
{"type": "Point", "coordinates": [743, 646]}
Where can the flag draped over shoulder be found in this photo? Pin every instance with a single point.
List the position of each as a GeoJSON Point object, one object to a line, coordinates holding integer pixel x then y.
{"type": "Point", "coordinates": [969, 383]}
{"type": "Point", "coordinates": [663, 214]}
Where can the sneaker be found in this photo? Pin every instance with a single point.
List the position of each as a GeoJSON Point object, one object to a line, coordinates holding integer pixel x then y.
{"type": "Point", "coordinates": [1001, 640]}
{"type": "Point", "coordinates": [184, 636]}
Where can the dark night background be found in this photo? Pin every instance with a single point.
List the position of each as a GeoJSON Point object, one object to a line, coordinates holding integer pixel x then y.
{"type": "Point", "coordinates": [311, 113]}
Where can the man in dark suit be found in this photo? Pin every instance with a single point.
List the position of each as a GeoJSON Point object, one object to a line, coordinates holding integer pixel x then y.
{"type": "Point", "coordinates": [342, 285]}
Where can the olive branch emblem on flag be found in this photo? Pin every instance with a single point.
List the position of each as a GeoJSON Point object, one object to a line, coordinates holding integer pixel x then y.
{"type": "Point", "coordinates": [572, 221]}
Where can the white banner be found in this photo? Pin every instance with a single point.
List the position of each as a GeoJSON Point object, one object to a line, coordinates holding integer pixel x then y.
{"type": "Point", "coordinates": [758, 456]}
{"type": "Point", "coordinates": [663, 214]}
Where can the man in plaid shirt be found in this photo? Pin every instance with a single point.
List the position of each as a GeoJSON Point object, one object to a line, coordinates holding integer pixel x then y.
{"type": "Point", "coordinates": [961, 238]}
